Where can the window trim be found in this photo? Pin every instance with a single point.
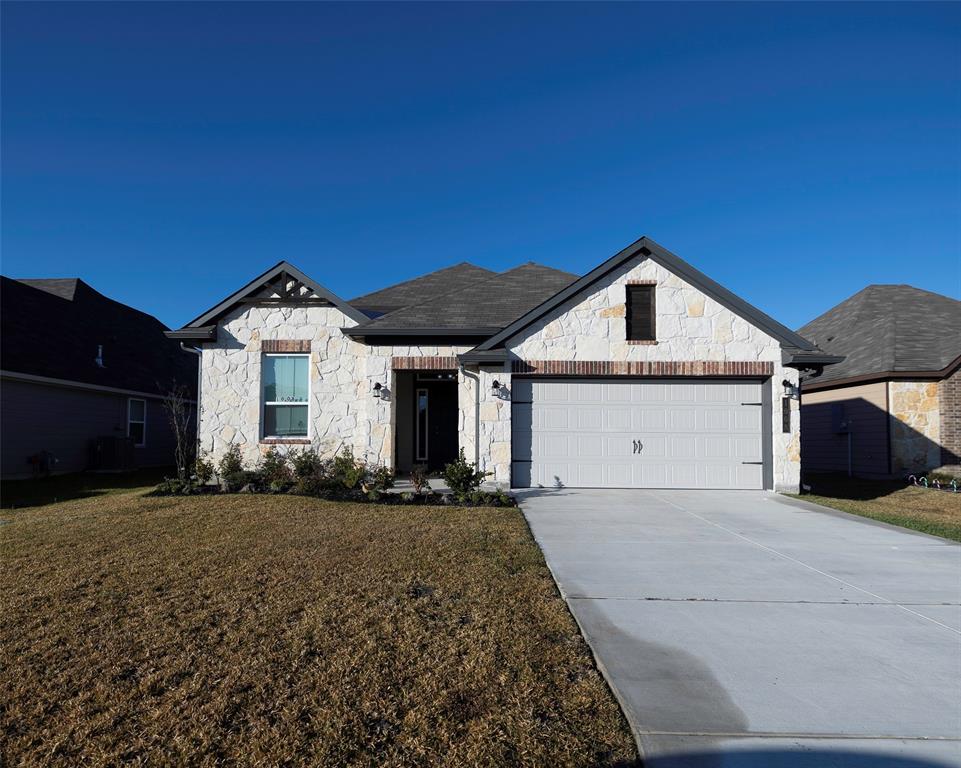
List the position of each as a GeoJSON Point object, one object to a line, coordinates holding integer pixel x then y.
{"type": "Point", "coordinates": [629, 289]}
{"type": "Point", "coordinates": [264, 403]}
{"type": "Point", "coordinates": [143, 421]}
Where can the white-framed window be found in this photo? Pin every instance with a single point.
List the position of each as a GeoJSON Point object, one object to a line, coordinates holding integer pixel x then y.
{"type": "Point", "coordinates": [137, 420]}
{"type": "Point", "coordinates": [286, 393]}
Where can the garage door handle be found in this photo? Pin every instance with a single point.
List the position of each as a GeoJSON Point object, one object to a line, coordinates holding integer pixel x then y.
{"type": "Point", "coordinates": [638, 445]}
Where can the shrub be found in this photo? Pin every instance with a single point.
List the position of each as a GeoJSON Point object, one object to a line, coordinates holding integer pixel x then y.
{"type": "Point", "coordinates": [462, 477]}
{"type": "Point", "coordinates": [230, 463]}
{"type": "Point", "coordinates": [378, 478]}
{"type": "Point", "coordinates": [305, 463]}
{"type": "Point", "coordinates": [274, 470]}
{"type": "Point", "coordinates": [418, 478]}
{"type": "Point", "coordinates": [241, 481]}
{"type": "Point", "coordinates": [347, 470]}
{"type": "Point", "coordinates": [172, 486]}
{"type": "Point", "coordinates": [203, 468]}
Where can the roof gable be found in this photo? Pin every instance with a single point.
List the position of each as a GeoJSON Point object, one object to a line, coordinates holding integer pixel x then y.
{"type": "Point", "coordinates": [889, 329]}
{"type": "Point", "coordinates": [281, 283]}
{"type": "Point", "coordinates": [648, 248]}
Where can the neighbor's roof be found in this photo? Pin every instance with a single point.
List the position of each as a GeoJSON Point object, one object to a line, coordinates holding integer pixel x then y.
{"type": "Point", "coordinates": [888, 329]}
{"type": "Point", "coordinates": [483, 305]}
{"type": "Point", "coordinates": [52, 328]}
{"type": "Point", "coordinates": [420, 289]}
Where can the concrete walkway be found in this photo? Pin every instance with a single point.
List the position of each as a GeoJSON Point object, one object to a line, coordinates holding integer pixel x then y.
{"type": "Point", "coordinates": [746, 630]}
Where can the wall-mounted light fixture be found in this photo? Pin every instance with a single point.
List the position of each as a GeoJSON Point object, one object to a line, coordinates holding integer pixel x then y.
{"type": "Point", "coordinates": [378, 390]}
{"type": "Point", "coordinates": [791, 390]}
{"type": "Point", "coordinates": [495, 388]}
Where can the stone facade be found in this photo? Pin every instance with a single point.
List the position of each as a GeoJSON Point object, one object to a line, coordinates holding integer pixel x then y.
{"type": "Point", "coordinates": [343, 413]}
{"type": "Point", "coordinates": [690, 327]}
{"type": "Point", "coordinates": [914, 408]}
{"type": "Point", "coordinates": [949, 398]}
{"type": "Point", "coordinates": [695, 336]}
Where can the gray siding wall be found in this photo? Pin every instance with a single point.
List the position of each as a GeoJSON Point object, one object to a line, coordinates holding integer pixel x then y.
{"type": "Point", "coordinates": [39, 417]}
{"type": "Point", "coordinates": [823, 449]}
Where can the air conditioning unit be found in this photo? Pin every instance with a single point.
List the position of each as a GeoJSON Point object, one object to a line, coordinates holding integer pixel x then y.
{"type": "Point", "coordinates": [110, 453]}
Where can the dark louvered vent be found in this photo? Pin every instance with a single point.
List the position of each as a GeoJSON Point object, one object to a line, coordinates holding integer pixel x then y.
{"type": "Point", "coordinates": [640, 313]}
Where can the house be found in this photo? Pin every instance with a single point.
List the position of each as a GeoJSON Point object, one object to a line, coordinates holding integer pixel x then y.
{"type": "Point", "coordinates": [893, 406]}
{"type": "Point", "coordinates": [643, 373]}
{"type": "Point", "coordinates": [79, 371]}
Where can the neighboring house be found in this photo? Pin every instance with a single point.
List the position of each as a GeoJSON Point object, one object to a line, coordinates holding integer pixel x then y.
{"type": "Point", "coordinates": [80, 370]}
{"type": "Point", "coordinates": [893, 406]}
{"type": "Point", "coordinates": [643, 373]}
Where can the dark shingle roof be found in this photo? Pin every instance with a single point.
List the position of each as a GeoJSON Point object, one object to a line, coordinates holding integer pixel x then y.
{"type": "Point", "coordinates": [52, 328]}
{"type": "Point", "coordinates": [420, 289]}
{"type": "Point", "coordinates": [888, 328]}
{"type": "Point", "coordinates": [490, 303]}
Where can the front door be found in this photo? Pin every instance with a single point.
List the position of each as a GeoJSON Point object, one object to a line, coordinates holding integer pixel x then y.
{"type": "Point", "coordinates": [435, 422]}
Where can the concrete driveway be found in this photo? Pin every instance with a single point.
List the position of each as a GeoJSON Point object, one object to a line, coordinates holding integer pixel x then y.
{"type": "Point", "coordinates": [748, 630]}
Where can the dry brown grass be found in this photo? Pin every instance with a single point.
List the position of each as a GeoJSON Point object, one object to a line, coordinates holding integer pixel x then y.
{"type": "Point", "coordinates": [288, 631]}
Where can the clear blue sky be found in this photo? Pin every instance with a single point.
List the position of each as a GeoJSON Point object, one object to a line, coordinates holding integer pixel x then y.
{"type": "Point", "coordinates": [166, 153]}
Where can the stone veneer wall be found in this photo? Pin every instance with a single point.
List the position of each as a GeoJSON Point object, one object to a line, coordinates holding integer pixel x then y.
{"type": "Point", "coordinates": [343, 413]}
{"type": "Point", "coordinates": [949, 397]}
{"type": "Point", "coordinates": [915, 426]}
{"type": "Point", "coordinates": [690, 326]}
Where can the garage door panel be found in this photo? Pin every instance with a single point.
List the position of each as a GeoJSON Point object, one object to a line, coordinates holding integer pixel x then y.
{"type": "Point", "coordinates": [633, 433]}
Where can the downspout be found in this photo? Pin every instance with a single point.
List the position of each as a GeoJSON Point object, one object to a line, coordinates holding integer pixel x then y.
{"type": "Point", "coordinates": [199, 354]}
{"type": "Point", "coordinates": [476, 378]}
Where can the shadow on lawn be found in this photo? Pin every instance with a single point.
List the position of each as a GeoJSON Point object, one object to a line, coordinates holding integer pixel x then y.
{"type": "Point", "coordinates": [37, 492]}
{"type": "Point", "coordinates": [840, 486]}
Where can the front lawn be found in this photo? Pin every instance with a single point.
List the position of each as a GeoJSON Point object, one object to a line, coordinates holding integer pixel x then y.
{"type": "Point", "coordinates": [921, 509]}
{"type": "Point", "coordinates": [282, 630]}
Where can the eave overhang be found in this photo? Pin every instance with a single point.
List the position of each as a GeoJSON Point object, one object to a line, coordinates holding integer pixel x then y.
{"type": "Point", "coordinates": [360, 331]}
{"type": "Point", "coordinates": [483, 357]}
{"type": "Point", "coordinates": [200, 333]}
{"type": "Point", "coordinates": [803, 358]}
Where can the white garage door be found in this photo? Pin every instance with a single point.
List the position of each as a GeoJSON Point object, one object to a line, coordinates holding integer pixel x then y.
{"type": "Point", "coordinates": [651, 433]}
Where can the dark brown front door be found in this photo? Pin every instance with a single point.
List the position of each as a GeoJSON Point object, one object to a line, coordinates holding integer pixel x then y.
{"type": "Point", "coordinates": [435, 423]}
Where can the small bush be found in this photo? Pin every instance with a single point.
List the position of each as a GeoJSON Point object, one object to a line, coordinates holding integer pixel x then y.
{"type": "Point", "coordinates": [231, 462]}
{"type": "Point", "coordinates": [347, 470]}
{"type": "Point", "coordinates": [172, 486]}
{"type": "Point", "coordinates": [275, 471]}
{"type": "Point", "coordinates": [419, 479]}
{"type": "Point", "coordinates": [241, 481]}
{"type": "Point", "coordinates": [378, 478]}
{"type": "Point", "coordinates": [462, 477]}
{"type": "Point", "coordinates": [306, 463]}
{"type": "Point", "coordinates": [203, 468]}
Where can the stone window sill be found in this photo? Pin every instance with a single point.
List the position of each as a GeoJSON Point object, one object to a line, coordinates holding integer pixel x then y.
{"type": "Point", "coordinates": [643, 342]}
{"type": "Point", "coordinates": [285, 441]}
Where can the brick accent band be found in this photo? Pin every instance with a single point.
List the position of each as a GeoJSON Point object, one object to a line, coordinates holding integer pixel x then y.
{"type": "Point", "coordinates": [641, 368]}
{"type": "Point", "coordinates": [285, 441]}
{"type": "Point", "coordinates": [282, 345]}
{"type": "Point", "coordinates": [641, 282]}
{"type": "Point", "coordinates": [435, 363]}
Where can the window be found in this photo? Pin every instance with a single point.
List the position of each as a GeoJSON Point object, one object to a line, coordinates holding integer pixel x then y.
{"type": "Point", "coordinates": [137, 420]}
{"type": "Point", "coordinates": [286, 388]}
{"type": "Point", "coordinates": [421, 426]}
{"type": "Point", "coordinates": [640, 313]}
{"type": "Point", "coordinates": [786, 415]}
